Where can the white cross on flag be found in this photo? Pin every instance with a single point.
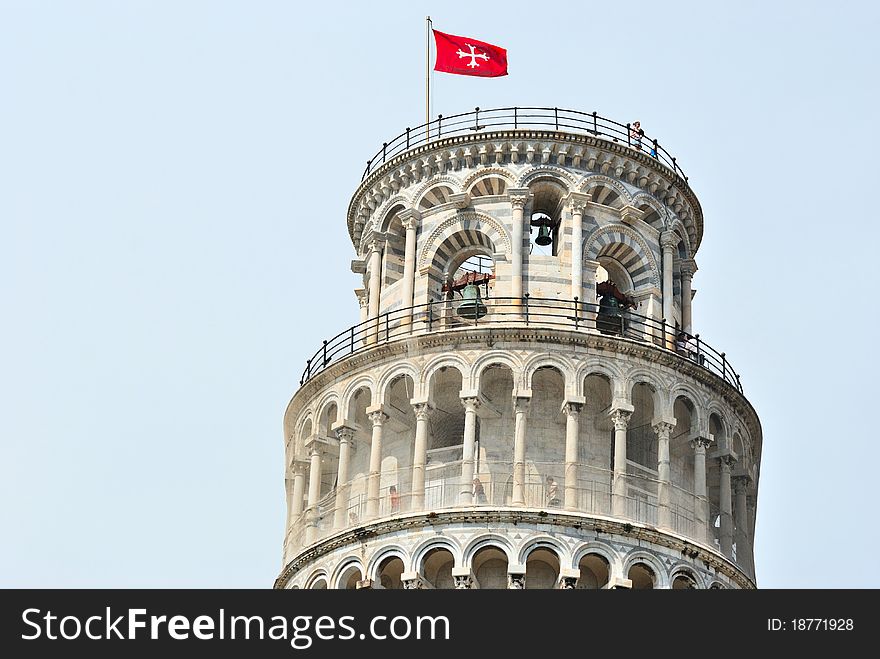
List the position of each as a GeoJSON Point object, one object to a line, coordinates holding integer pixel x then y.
{"type": "Point", "coordinates": [469, 57]}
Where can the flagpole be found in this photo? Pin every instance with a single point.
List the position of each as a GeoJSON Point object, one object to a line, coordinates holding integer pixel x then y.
{"type": "Point", "coordinates": [427, 79]}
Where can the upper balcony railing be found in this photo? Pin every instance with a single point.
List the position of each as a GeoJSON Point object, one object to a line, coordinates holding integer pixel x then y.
{"type": "Point", "coordinates": [495, 119]}
{"type": "Point", "coordinates": [502, 312]}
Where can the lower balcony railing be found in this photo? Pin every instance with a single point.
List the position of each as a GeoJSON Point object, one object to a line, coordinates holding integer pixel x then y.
{"type": "Point", "coordinates": [591, 490]}
{"type": "Point", "coordinates": [573, 315]}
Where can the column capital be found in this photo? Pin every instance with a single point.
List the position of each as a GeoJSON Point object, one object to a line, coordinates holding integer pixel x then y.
{"type": "Point", "coordinates": [362, 297]}
{"type": "Point", "coordinates": [422, 411]}
{"type": "Point", "coordinates": [375, 243]}
{"type": "Point", "coordinates": [299, 467]}
{"type": "Point", "coordinates": [620, 417]}
{"type": "Point", "coordinates": [741, 482]}
{"type": "Point", "coordinates": [518, 196]}
{"type": "Point", "coordinates": [727, 461]}
{"type": "Point", "coordinates": [663, 428]}
{"type": "Point", "coordinates": [572, 407]}
{"type": "Point", "coordinates": [464, 579]}
{"type": "Point", "coordinates": [699, 442]}
{"type": "Point", "coordinates": [376, 414]}
{"type": "Point", "coordinates": [471, 403]}
{"type": "Point", "coordinates": [688, 267]}
{"type": "Point", "coordinates": [521, 404]}
{"type": "Point", "coordinates": [577, 202]}
{"type": "Point", "coordinates": [460, 200]}
{"type": "Point", "coordinates": [409, 215]}
{"type": "Point", "coordinates": [344, 433]}
{"type": "Point", "coordinates": [516, 577]}
{"type": "Point", "coordinates": [668, 239]}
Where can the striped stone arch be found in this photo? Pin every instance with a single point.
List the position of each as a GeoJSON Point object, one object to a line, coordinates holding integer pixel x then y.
{"type": "Point", "coordinates": [617, 197]}
{"type": "Point", "coordinates": [480, 228]}
{"type": "Point", "coordinates": [678, 227]}
{"type": "Point", "coordinates": [628, 248]}
{"type": "Point", "coordinates": [558, 174]}
{"type": "Point", "coordinates": [384, 214]}
{"type": "Point", "coordinates": [655, 213]}
{"type": "Point", "coordinates": [488, 173]}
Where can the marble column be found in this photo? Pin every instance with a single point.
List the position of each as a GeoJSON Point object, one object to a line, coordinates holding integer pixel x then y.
{"type": "Point", "coordinates": [471, 405]}
{"type": "Point", "coordinates": [664, 506]}
{"type": "Point", "coordinates": [701, 501]}
{"type": "Point", "coordinates": [420, 453]}
{"type": "Point", "coordinates": [377, 418]}
{"type": "Point", "coordinates": [410, 223]}
{"type": "Point", "coordinates": [743, 540]}
{"type": "Point", "coordinates": [521, 410]}
{"type": "Point", "coordinates": [374, 291]}
{"type": "Point", "coordinates": [688, 268]}
{"type": "Point", "coordinates": [620, 417]}
{"type": "Point", "coordinates": [577, 205]}
{"type": "Point", "coordinates": [572, 428]}
{"type": "Point", "coordinates": [726, 505]}
{"type": "Point", "coordinates": [346, 437]}
{"type": "Point", "coordinates": [518, 198]}
{"type": "Point", "coordinates": [668, 241]}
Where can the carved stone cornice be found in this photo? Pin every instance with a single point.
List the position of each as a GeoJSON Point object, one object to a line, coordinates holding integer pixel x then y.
{"type": "Point", "coordinates": [635, 531]}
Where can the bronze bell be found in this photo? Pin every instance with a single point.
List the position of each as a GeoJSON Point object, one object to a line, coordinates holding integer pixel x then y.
{"type": "Point", "coordinates": [544, 237]}
{"type": "Point", "coordinates": [471, 306]}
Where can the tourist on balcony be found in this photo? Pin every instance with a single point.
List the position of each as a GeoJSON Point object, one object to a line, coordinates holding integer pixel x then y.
{"type": "Point", "coordinates": [552, 492]}
{"type": "Point", "coordinates": [394, 498]}
{"type": "Point", "coordinates": [479, 492]}
{"type": "Point", "coordinates": [635, 135]}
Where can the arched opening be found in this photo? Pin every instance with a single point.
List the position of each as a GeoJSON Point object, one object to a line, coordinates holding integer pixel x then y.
{"type": "Point", "coordinates": [594, 570]}
{"type": "Point", "coordinates": [713, 476]}
{"type": "Point", "coordinates": [360, 457]}
{"type": "Point", "coordinates": [542, 569]}
{"type": "Point", "coordinates": [545, 219]}
{"type": "Point", "coordinates": [388, 573]}
{"type": "Point", "coordinates": [684, 581]}
{"type": "Point", "coordinates": [329, 459]}
{"type": "Point", "coordinates": [681, 467]}
{"type": "Point", "coordinates": [394, 253]}
{"type": "Point", "coordinates": [595, 442]}
{"type": "Point", "coordinates": [463, 258]}
{"type": "Point", "coordinates": [606, 195]}
{"type": "Point", "coordinates": [397, 447]}
{"type": "Point", "coordinates": [349, 578]}
{"type": "Point", "coordinates": [319, 584]}
{"type": "Point", "coordinates": [437, 568]}
{"type": "Point", "coordinates": [436, 196]}
{"type": "Point", "coordinates": [545, 448]}
{"type": "Point", "coordinates": [642, 577]}
{"type": "Point", "coordinates": [489, 565]}
{"type": "Point", "coordinates": [445, 437]}
{"type": "Point", "coordinates": [493, 470]}
{"type": "Point", "coordinates": [641, 457]}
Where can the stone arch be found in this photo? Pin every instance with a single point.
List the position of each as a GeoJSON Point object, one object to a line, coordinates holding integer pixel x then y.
{"type": "Point", "coordinates": [685, 569]}
{"type": "Point", "coordinates": [437, 195]}
{"type": "Point", "coordinates": [696, 401]}
{"type": "Point", "coordinates": [388, 210]}
{"type": "Point", "coordinates": [432, 181]}
{"type": "Point", "coordinates": [344, 566]}
{"type": "Point", "coordinates": [562, 364]}
{"type": "Point", "coordinates": [444, 361]}
{"type": "Point", "coordinates": [491, 358]}
{"type": "Point", "coordinates": [627, 246]}
{"type": "Point", "coordinates": [362, 382]}
{"type": "Point", "coordinates": [660, 388]}
{"type": "Point", "coordinates": [661, 579]}
{"type": "Point", "coordinates": [658, 217]}
{"type": "Point", "coordinates": [596, 180]}
{"type": "Point", "coordinates": [328, 399]}
{"type": "Point", "coordinates": [386, 551]}
{"type": "Point", "coordinates": [487, 540]}
{"type": "Point", "coordinates": [485, 229]}
{"type": "Point", "coordinates": [615, 376]}
{"type": "Point", "coordinates": [601, 548]}
{"type": "Point", "coordinates": [387, 378]}
{"type": "Point", "coordinates": [557, 174]}
{"type": "Point", "coordinates": [543, 542]}
{"type": "Point", "coordinates": [678, 227]}
{"type": "Point", "coordinates": [488, 172]}
{"type": "Point", "coordinates": [316, 576]}
{"type": "Point", "coordinates": [422, 550]}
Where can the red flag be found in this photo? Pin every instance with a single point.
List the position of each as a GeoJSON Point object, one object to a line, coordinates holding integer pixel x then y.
{"type": "Point", "coordinates": [469, 57]}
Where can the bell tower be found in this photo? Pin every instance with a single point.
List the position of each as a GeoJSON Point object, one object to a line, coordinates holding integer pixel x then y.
{"type": "Point", "coordinates": [525, 401]}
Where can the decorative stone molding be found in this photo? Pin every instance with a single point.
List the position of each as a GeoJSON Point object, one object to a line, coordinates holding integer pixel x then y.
{"type": "Point", "coordinates": [592, 247]}
{"type": "Point", "coordinates": [497, 234]}
{"type": "Point", "coordinates": [516, 581]}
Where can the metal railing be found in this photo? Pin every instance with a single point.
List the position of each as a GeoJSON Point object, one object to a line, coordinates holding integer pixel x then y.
{"type": "Point", "coordinates": [591, 492]}
{"type": "Point", "coordinates": [516, 312]}
{"type": "Point", "coordinates": [515, 118]}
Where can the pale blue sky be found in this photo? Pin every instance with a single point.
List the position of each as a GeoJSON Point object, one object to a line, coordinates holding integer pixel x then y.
{"type": "Point", "coordinates": [174, 177]}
